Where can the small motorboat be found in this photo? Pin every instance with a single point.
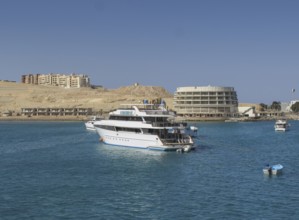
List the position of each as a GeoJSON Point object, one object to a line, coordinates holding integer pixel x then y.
{"type": "Point", "coordinates": [274, 169]}
{"type": "Point", "coordinates": [281, 125]}
{"type": "Point", "coordinates": [187, 148]}
{"type": "Point", "coordinates": [90, 124]}
{"type": "Point", "coordinates": [232, 120]}
{"type": "Point", "coordinates": [191, 131]}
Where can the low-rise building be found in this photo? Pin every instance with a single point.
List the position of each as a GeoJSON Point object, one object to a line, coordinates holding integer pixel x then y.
{"type": "Point", "coordinates": [56, 111]}
{"type": "Point", "coordinates": [288, 107]}
{"type": "Point", "coordinates": [247, 111]}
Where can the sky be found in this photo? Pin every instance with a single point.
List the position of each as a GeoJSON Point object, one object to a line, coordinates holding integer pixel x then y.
{"type": "Point", "coordinates": [251, 45]}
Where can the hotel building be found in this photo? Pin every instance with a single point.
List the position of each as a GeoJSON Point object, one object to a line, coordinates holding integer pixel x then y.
{"type": "Point", "coordinates": [30, 79]}
{"type": "Point", "coordinates": [62, 80]}
{"type": "Point", "coordinates": [206, 101]}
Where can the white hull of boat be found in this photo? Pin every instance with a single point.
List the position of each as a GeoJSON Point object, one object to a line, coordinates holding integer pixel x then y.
{"type": "Point", "coordinates": [89, 126]}
{"type": "Point", "coordinates": [267, 171]}
{"type": "Point", "coordinates": [281, 125]}
{"type": "Point", "coordinates": [281, 129]}
{"type": "Point", "coordinates": [274, 170]}
{"type": "Point", "coordinates": [138, 140]}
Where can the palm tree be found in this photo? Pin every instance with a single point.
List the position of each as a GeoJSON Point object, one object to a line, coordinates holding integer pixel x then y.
{"type": "Point", "coordinates": [276, 106]}
{"type": "Point", "coordinates": [295, 107]}
{"type": "Point", "coordinates": [263, 106]}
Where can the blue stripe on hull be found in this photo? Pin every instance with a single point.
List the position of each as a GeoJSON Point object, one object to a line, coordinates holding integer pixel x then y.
{"type": "Point", "coordinates": [145, 148]}
{"type": "Point", "coordinates": [117, 145]}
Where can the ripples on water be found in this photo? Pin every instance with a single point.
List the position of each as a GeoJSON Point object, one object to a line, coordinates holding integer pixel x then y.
{"type": "Point", "coordinates": [54, 170]}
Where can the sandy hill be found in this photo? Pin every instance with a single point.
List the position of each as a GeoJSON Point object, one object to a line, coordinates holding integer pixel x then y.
{"type": "Point", "coordinates": [14, 96]}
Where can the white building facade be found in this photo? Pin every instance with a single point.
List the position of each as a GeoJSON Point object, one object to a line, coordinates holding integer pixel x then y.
{"type": "Point", "coordinates": [287, 107]}
{"type": "Point", "coordinates": [206, 101]}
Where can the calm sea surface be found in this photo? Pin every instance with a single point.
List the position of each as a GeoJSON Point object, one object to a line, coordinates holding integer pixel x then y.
{"type": "Point", "coordinates": [59, 170]}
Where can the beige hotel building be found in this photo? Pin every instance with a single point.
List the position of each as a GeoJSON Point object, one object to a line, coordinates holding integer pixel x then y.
{"type": "Point", "coordinates": [206, 101]}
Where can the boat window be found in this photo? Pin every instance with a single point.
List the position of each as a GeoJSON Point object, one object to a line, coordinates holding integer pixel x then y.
{"type": "Point", "coordinates": [134, 130]}
{"type": "Point", "coordinates": [106, 127]}
{"type": "Point", "coordinates": [156, 119]}
{"type": "Point", "coordinates": [151, 131]}
{"type": "Point", "coordinates": [125, 118]}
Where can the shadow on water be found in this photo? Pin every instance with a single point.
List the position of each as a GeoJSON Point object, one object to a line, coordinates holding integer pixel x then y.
{"type": "Point", "coordinates": [203, 147]}
{"type": "Point", "coordinates": [118, 151]}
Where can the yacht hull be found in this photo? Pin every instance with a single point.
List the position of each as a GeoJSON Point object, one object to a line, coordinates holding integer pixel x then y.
{"type": "Point", "coordinates": [137, 140]}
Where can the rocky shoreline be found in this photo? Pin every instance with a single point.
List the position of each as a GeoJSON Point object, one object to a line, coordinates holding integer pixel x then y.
{"type": "Point", "coordinates": [189, 119]}
{"type": "Point", "coordinates": [44, 118]}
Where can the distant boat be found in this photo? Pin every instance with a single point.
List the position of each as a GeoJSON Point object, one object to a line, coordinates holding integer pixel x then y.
{"type": "Point", "coordinates": [90, 124]}
{"type": "Point", "coordinates": [232, 120]}
{"type": "Point", "coordinates": [281, 125]}
{"type": "Point", "coordinates": [191, 131]}
{"type": "Point", "coordinates": [275, 169]}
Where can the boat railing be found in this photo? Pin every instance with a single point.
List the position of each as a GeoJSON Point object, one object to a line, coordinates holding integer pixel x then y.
{"type": "Point", "coordinates": [162, 124]}
{"type": "Point", "coordinates": [166, 124]}
{"type": "Point", "coordinates": [182, 141]}
{"type": "Point", "coordinates": [158, 112]}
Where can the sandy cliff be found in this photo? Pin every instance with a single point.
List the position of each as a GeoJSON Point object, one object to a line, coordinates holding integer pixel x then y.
{"type": "Point", "coordinates": [14, 96]}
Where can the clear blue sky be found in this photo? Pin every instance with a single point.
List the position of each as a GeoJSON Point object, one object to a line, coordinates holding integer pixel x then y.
{"type": "Point", "coordinates": [251, 45]}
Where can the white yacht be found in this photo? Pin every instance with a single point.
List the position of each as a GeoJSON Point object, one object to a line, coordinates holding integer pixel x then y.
{"type": "Point", "coordinates": [90, 124]}
{"type": "Point", "coordinates": [146, 126]}
{"type": "Point", "coordinates": [281, 125]}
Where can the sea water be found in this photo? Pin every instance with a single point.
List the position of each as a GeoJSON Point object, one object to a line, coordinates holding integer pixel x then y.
{"type": "Point", "coordinates": [59, 170]}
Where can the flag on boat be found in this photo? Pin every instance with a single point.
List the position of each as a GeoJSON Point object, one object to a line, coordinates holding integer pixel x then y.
{"type": "Point", "coordinates": [293, 90]}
